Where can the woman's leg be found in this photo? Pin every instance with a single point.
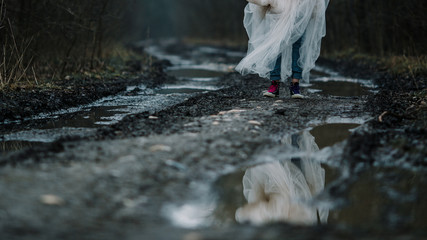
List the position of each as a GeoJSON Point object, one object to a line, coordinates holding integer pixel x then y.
{"type": "Point", "coordinates": [275, 76]}
{"type": "Point", "coordinates": [296, 70]}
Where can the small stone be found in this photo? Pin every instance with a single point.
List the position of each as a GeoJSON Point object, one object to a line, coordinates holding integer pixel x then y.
{"type": "Point", "coordinates": [52, 200]}
{"type": "Point", "coordinates": [216, 123]}
{"type": "Point", "coordinates": [256, 123]}
{"type": "Point", "coordinates": [236, 111]}
{"type": "Point", "coordinates": [193, 236]}
{"type": "Point", "coordinates": [129, 203]}
{"type": "Point", "coordinates": [68, 77]}
{"type": "Point", "coordinates": [191, 124]}
{"type": "Point", "coordinates": [279, 101]}
{"type": "Point", "coordinates": [160, 148]}
{"type": "Point", "coordinates": [231, 111]}
{"type": "Point", "coordinates": [175, 164]}
{"type": "Point", "coordinates": [153, 117]}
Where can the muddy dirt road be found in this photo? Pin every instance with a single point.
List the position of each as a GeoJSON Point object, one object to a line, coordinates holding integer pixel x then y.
{"type": "Point", "coordinates": [179, 172]}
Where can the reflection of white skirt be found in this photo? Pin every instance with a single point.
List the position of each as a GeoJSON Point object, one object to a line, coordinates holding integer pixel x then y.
{"type": "Point", "coordinates": [272, 31]}
{"type": "Point", "coordinates": [280, 191]}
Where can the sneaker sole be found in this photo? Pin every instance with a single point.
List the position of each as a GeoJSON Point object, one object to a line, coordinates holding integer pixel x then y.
{"type": "Point", "coordinates": [297, 96]}
{"type": "Point", "coordinates": [268, 94]}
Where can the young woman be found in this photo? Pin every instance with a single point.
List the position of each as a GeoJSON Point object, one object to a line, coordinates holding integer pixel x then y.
{"type": "Point", "coordinates": [284, 41]}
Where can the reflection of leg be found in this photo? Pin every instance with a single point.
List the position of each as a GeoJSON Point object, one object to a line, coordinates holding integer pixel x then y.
{"type": "Point", "coordinates": [295, 139]}
{"type": "Point", "coordinates": [273, 91]}
{"type": "Point", "coordinates": [296, 70]}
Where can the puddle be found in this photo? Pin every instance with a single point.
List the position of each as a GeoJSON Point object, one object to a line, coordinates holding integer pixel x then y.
{"type": "Point", "coordinates": [193, 78]}
{"type": "Point", "coordinates": [381, 198]}
{"type": "Point", "coordinates": [281, 190]}
{"type": "Point", "coordinates": [84, 120]}
{"type": "Point", "coordinates": [339, 88]}
{"type": "Point", "coordinates": [195, 74]}
{"type": "Point", "coordinates": [185, 87]}
{"type": "Point", "coordinates": [88, 118]}
{"type": "Point", "coordinates": [330, 134]}
{"type": "Point", "coordinates": [318, 72]}
{"type": "Point", "coordinates": [181, 90]}
{"type": "Point", "coordinates": [385, 197]}
{"type": "Point", "coordinates": [217, 58]}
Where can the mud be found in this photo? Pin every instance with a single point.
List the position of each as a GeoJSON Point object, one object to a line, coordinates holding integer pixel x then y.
{"type": "Point", "coordinates": [20, 103]}
{"type": "Point", "coordinates": [128, 179]}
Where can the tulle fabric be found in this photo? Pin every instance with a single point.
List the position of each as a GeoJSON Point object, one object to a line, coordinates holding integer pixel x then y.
{"type": "Point", "coordinates": [281, 191]}
{"type": "Point", "coordinates": [273, 26]}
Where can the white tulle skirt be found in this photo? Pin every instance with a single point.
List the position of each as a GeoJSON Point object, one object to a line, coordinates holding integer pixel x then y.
{"type": "Point", "coordinates": [273, 26]}
{"type": "Point", "coordinates": [282, 191]}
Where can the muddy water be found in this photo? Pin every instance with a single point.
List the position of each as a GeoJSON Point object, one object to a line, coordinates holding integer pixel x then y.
{"type": "Point", "coordinates": [340, 88]}
{"type": "Point", "coordinates": [228, 190]}
{"type": "Point", "coordinates": [85, 120]}
{"type": "Point", "coordinates": [380, 198]}
{"type": "Point", "coordinates": [327, 82]}
{"type": "Point", "coordinates": [330, 134]}
{"type": "Point", "coordinates": [107, 111]}
{"type": "Point", "coordinates": [88, 118]}
{"type": "Point", "coordinates": [390, 197]}
{"type": "Point", "coordinates": [195, 73]}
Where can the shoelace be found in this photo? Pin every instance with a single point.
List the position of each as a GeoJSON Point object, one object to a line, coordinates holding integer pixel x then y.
{"type": "Point", "coordinates": [274, 86]}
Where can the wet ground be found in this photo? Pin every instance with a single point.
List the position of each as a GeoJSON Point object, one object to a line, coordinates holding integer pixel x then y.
{"type": "Point", "coordinates": [174, 162]}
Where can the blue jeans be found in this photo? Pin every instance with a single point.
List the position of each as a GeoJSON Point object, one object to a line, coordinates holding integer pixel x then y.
{"type": "Point", "coordinates": [296, 70]}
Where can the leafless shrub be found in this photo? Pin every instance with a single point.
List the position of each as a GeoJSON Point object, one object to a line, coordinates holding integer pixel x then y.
{"type": "Point", "coordinates": [55, 37]}
{"type": "Point", "coordinates": [380, 27]}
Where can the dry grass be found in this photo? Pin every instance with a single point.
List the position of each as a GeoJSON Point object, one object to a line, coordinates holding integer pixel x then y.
{"type": "Point", "coordinates": [14, 66]}
{"type": "Point", "coordinates": [412, 66]}
{"type": "Point", "coordinates": [14, 73]}
{"type": "Point", "coordinates": [58, 39]}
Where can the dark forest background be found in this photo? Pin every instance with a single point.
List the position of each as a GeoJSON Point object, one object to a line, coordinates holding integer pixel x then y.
{"type": "Point", "coordinates": [62, 36]}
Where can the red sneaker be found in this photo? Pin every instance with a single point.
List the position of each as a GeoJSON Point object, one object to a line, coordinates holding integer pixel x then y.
{"type": "Point", "coordinates": [273, 90]}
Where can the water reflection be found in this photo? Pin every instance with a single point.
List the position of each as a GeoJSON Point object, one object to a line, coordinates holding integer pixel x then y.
{"type": "Point", "coordinates": [283, 190]}
{"type": "Point", "coordinates": [329, 134]}
{"type": "Point", "coordinates": [340, 88]}
{"type": "Point", "coordinates": [195, 73]}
